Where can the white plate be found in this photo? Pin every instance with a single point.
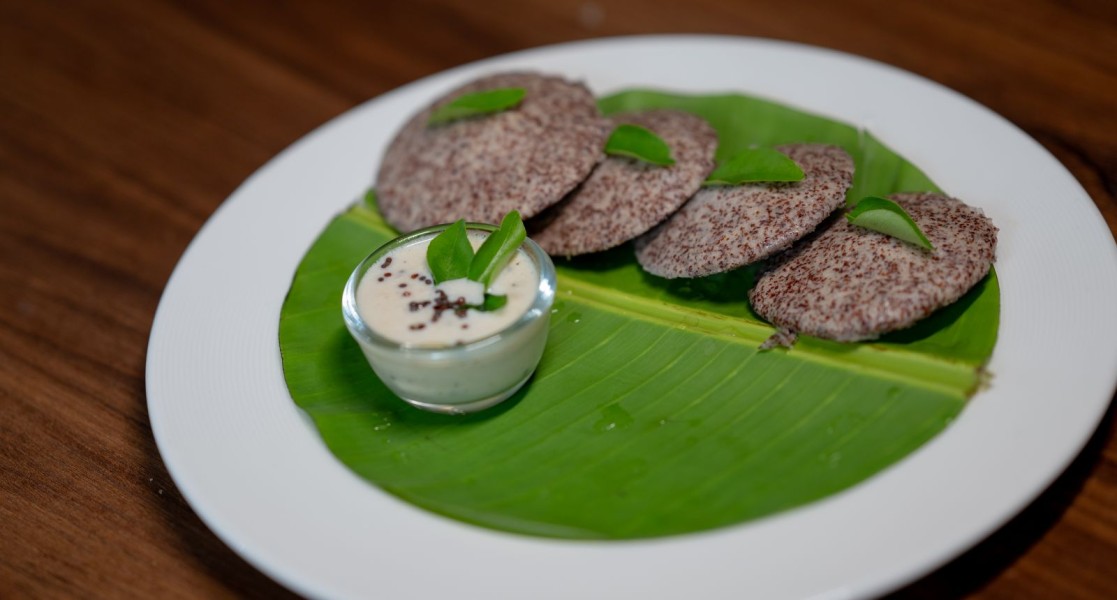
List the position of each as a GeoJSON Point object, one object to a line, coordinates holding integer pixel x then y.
{"type": "Point", "coordinates": [257, 473]}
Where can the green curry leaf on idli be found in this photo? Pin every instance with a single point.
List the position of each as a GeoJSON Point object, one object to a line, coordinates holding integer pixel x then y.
{"type": "Point", "coordinates": [477, 104]}
{"type": "Point", "coordinates": [637, 142]}
{"type": "Point", "coordinates": [885, 216]}
{"type": "Point", "coordinates": [755, 165]}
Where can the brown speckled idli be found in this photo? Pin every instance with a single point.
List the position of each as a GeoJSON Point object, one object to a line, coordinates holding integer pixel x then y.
{"type": "Point", "coordinates": [849, 283]}
{"type": "Point", "coordinates": [624, 197]}
{"type": "Point", "coordinates": [525, 158]}
{"type": "Point", "coordinates": [725, 227]}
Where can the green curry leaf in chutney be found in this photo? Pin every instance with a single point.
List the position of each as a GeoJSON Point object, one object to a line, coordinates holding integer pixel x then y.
{"type": "Point", "coordinates": [450, 254]}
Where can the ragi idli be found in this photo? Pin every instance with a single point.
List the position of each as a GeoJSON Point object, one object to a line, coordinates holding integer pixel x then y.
{"type": "Point", "coordinates": [479, 168]}
{"type": "Point", "coordinates": [625, 197]}
{"type": "Point", "coordinates": [728, 226]}
{"type": "Point", "coordinates": [849, 283]}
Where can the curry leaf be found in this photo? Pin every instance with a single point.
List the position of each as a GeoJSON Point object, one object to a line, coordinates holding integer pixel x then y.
{"type": "Point", "coordinates": [498, 249]}
{"type": "Point", "coordinates": [493, 302]}
{"type": "Point", "coordinates": [477, 104]}
{"type": "Point", "coordinates": [450, 253]}
{"type": "Point", "coordinates": [754, 165]}
{"type": "Point", "coordinates": [889, 218]}
{"type": "Point", "coordinates": [636, 142]}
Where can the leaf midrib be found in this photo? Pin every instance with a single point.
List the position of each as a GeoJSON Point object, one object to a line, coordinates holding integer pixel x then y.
{"type": "Point", "coordinates": [889, 363]}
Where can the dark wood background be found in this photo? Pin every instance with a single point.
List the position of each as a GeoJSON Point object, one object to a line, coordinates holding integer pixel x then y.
{"type": "Point", "coordinates": [124, 124]}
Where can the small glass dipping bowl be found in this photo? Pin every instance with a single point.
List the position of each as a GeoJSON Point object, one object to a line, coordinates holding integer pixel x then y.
{"type": "Point", "coordinates": [462, 378]}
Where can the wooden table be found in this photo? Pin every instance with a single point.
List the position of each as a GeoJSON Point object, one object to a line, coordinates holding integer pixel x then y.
{"type": "Point", "coordinates": [123, 126]}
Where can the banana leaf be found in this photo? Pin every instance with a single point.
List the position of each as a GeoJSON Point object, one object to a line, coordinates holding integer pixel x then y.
{"type": "Point", "coordinates": [652, 412]}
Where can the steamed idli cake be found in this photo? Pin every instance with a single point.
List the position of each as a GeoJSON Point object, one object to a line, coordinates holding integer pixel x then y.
{"type": "Point", "coordinates": [725, 227]}
{"type": "Point", "coordinates": [849, 283]}
{"type": "Point", "coordinates": [525, 158]}
{"type": "Point", "coordinates": [625, 197]}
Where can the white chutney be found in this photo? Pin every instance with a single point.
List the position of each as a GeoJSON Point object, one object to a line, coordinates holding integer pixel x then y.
{"type": "Point", "coordinates": [427, 346]}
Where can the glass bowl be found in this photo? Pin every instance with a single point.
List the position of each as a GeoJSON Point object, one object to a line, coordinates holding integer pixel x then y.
{"type": "Point", "coordinates": [460, 378]}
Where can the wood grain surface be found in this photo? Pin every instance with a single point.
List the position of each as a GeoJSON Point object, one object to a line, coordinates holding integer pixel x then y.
{"type": "Point", "coordinates": [124, 124]}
